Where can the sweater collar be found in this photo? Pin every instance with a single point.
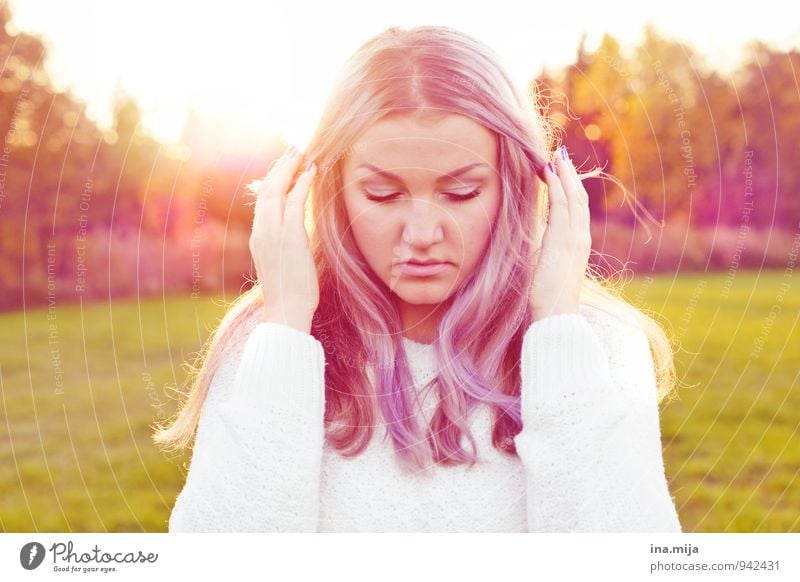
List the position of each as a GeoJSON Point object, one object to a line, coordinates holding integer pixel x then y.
{"type": "Point", "coordinates": [421, 359]}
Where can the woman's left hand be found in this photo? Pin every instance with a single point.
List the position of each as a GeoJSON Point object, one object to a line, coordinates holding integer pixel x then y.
{"type": "Point", "coordinates": [564, 256]}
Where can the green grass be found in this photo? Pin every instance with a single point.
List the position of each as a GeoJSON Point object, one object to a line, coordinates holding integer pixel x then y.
{"type": "Point", "coordinates": [81, 458]}
{"type": "Point", "coordinates": [731, 435]}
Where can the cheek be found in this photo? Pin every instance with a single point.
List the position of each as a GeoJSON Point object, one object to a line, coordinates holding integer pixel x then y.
{"type": "Point", "coordinates": [475, 231]}
{"type": "Point", "coordinates": [369, 236]}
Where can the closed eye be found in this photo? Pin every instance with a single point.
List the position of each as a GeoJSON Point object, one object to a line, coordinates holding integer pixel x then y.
{"type": "Point", "coordinates": [452, 195]}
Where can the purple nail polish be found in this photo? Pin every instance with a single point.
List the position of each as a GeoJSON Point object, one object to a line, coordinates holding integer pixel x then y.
{"type": "Point", "coordinates": [564, 155]}
{"type": "Point", "coordinates": [550, 167]}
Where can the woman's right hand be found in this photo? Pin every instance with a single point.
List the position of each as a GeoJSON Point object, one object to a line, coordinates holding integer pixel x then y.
{"type": "Point", "coordinates": [280, 246]}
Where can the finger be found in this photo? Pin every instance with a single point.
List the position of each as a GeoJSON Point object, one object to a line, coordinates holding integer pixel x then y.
{"type": "Point", "coordinates": [578, 213]}
{"type": "Point", "coordinates": [567, 182]}
{"type": "Point", "coordinates": [275, 187]}
{"type": "Point", "coordinates": [294, 215]}
{"type": "Point", "coordinates": [258, 188]}
{"type": "Point", "coordinates": [583, 195]}
{"type": "Point", "coordinates": [275, 162]}
{"type": "Point", "coordinates": [559, 212]}
{"type": "Point", "coordinates": [274, 168]}
{"type": "Point", "coordinates": [580, 189]}
{"type": "Point", "coordinates": [578, 200]}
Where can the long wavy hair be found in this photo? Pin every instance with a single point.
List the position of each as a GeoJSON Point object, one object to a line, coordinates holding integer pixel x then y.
{"type": "Point", "coordinates": [423, 70]}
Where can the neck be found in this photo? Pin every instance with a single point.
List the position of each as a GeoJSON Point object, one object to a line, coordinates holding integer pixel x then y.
{"type": "Point", "coordinates": [420, 322]}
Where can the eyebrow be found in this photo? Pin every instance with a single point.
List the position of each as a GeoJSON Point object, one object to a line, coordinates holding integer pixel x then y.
{"type": "Point", "coordinates": [442, 178]}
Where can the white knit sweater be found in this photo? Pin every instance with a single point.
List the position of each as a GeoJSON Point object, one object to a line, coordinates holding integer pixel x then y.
{"type": "Point", "coordinates": [590, 456]}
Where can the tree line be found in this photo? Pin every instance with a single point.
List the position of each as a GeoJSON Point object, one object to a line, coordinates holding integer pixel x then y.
{"type": "Point", "coordinates": [708, 164]}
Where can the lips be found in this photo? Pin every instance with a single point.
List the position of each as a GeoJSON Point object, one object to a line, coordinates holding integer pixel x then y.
{"type": "Point", "coordinates": [426, 269]}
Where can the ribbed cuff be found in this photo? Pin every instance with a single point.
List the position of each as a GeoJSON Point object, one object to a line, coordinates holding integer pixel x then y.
{"type": "Point", "coordinates": [562, 358]}
{"type": "Point", "coordinates": [282, 368]}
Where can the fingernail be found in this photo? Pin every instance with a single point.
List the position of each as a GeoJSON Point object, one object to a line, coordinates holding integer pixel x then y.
{"type": "Point", "coordinates": [564, 154]}
{"type": "Point", "coordinates": [309, 165]}
{"type": "Point", "coordinates": [550, 167]}
{"type": "Point", "coordinates": [291, 151]}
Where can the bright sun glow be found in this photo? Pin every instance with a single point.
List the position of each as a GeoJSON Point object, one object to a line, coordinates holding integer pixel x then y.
{"type": "Point", "coordinates": [264, 68]}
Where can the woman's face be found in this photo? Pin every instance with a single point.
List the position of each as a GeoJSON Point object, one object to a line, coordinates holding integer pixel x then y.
{"type": "Point", "coordinates": [440, 193]}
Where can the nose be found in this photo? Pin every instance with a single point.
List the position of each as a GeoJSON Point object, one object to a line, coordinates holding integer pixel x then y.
{"type": "Point", "coordinates": [423, 227]}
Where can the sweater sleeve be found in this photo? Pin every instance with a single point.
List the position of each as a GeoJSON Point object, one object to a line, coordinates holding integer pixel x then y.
{"type": "Point", "coordinates": [258, 450]}
{"type": "Point", "coordinates": [591, 441]}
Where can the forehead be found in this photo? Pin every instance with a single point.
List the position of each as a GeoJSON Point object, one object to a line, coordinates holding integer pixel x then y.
{"type": "Point", "coordinates": [417, 141]}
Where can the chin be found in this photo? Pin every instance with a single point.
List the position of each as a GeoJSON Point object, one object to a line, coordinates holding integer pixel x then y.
{"type": "Point", "coordinates": [422, 291]}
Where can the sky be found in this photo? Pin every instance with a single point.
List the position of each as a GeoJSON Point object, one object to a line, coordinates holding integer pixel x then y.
{"type": "Point", "coordinates": [249, 68]}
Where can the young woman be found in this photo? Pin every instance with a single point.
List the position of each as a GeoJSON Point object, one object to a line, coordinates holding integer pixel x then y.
{"type": "Point", "coordinates": [440, 296]}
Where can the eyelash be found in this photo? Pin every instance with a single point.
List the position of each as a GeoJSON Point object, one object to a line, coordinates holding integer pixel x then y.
{"type": "Point", "coordinates": [457, 197]}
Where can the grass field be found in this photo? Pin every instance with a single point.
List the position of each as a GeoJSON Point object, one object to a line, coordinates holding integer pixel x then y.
{"type": "Point", "coordinates": [81, 385]}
